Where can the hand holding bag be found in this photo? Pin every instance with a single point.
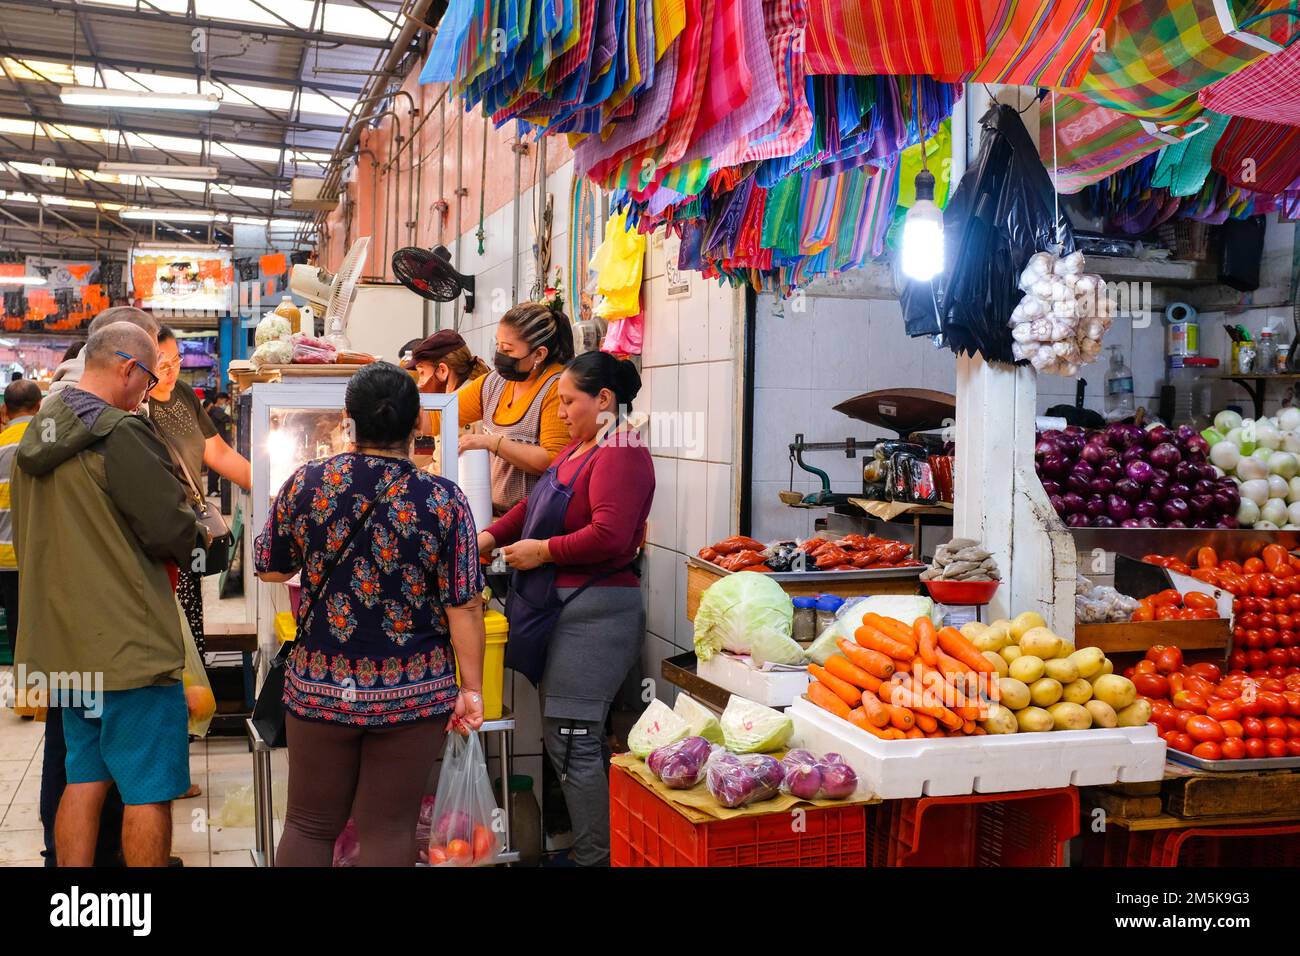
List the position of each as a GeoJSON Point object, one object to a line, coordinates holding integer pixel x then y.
{"type": "Point", "coordinates": [215, 533]}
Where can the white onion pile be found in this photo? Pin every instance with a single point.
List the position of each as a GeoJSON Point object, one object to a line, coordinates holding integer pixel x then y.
{"type": "Point", "coordinates": [1059, 324]}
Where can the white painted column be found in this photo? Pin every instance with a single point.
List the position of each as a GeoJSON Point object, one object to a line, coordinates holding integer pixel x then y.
{"type": "Point", "coordinates": [1000, 500]}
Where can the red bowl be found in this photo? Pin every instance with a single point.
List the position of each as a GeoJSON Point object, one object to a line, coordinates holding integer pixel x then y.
{"type": "Point", "coordinates": [962, 592]}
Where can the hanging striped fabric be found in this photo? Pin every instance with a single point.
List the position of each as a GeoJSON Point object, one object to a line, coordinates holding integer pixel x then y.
{"type": "Point", "coordinates": [1267, 90]}
{"type": "Point", "coordinates": [1041, 42]}
{"type": "Point", "coordinates": [1092, 142]}
{"type": "Point", "coordinates": [1261, 157]}
{"type": "Point", "coordinates": [1160, 53]}
{"type": "Point", "coordinates": [944, 38]}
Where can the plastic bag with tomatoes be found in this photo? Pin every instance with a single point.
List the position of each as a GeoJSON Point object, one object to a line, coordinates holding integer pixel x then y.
{"type": "Point", "coordinates": [467, 826]}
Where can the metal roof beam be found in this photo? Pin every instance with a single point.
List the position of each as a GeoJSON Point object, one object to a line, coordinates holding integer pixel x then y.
{"type": "Point", "coordinates": [225, 26]}
{"type": "Point", "coordinates": [217, 75]}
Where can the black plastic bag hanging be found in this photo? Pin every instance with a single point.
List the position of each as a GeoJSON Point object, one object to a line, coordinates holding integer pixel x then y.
{"type": "Point", "coordinates": [1002, 212]}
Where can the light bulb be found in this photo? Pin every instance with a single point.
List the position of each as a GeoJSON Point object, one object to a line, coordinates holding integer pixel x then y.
{"type": "Point", "coordinates": [923, 233]}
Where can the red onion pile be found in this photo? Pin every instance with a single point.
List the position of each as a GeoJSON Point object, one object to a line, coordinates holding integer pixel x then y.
{"type": "Point", "coordinates": [1126, 476]}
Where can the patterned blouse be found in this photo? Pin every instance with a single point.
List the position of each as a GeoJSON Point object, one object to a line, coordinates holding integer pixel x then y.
{"type": "Point", "coordinates": [378, 648]}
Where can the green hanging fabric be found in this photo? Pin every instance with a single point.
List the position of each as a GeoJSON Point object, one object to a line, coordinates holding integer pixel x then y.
{"type": "Point", "coordinates": [781, 214]}
{"type": "Point", "coordinates": [1183, 166]}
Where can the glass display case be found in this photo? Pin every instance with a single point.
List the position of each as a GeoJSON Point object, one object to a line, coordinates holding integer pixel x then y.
{"type": "Point", "coordinates": [292, 423]}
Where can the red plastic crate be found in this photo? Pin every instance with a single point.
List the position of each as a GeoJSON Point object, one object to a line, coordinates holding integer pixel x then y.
{"type": "Point", "coordinates": [1271, 846]}
{"type": "Point", "coordinates": [644, 830]}
{"type": "Point", "coordinates": [1024, 828]}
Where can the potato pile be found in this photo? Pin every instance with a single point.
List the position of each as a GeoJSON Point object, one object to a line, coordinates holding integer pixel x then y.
{"type": "Point", "coordinates": [1048, 685]}
{"type": "Point", "coordinates": [962, 559]}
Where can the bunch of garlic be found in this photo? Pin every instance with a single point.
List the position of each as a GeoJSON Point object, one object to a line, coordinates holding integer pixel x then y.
{"type": "Point", "coordinates": [1059, 324]}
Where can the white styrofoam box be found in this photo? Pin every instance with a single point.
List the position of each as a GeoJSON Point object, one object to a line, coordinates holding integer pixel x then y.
{"type": "Point", "coordinates": [770, 688]}
{"type": "Point", "coordinates": [995, 763]}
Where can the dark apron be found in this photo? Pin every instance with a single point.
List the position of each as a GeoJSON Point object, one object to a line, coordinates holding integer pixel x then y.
{"type": "Point", "coordinates": [532, 606]}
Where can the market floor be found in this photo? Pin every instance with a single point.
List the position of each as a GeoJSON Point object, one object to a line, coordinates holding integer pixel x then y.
{"type": "Point", "coordinates": [214, 829]}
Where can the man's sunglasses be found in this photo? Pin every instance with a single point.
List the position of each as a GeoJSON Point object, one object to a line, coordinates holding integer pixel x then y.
{"type": "Point", "coordinates": [153, 379]}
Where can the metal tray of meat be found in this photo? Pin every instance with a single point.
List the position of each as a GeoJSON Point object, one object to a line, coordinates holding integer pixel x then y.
{"type": "Point", "coordinates": [782, 577]}
{"type": "Point", "coordinates": [1224, 766]}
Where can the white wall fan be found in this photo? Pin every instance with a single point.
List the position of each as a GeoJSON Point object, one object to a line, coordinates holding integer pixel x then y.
{"type": "Point", "coordinates": [332, 293]}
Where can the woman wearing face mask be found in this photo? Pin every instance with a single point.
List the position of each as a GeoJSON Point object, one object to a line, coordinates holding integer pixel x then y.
{"type": "Point", "coordinates": [443, 363]}
{"type": "Point", "coordinates": [575, 607]}
{"type": "Point", "coordinates": [518, 401]}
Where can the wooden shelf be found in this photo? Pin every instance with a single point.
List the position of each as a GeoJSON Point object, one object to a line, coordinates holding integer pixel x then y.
{"type": "Point", "coordinates": [1139, 635]}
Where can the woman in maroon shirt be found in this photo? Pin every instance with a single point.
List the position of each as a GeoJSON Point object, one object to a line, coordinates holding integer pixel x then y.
{"type": "Point", "coordinates": [573, 544]}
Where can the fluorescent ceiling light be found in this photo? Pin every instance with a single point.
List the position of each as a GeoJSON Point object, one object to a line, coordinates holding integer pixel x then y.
{"type": "Point", "coordinates": [22, 280]}
{"type": "Point", "coordinates": [138, 99]}
{"type": "Point", "coordinates": [170, 215]}
{"type": "Point", "coordinates": [160, 169]}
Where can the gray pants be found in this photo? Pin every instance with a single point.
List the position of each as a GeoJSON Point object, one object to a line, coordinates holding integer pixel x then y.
{"type": "Point", "coordinates": [576, 749]}
{"type": "Point", "coordinates": [596, 641]}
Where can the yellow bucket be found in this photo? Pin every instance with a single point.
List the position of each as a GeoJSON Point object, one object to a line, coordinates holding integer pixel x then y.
{"type": "Point", "coordinates": [494, 663]}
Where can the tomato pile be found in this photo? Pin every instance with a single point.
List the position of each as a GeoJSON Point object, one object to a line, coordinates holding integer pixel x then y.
{"type": "Point", "coordinates": [1201, 712]}
{"type": "Point", "coordinates": [1266, 605]}
{"type": "Point", "coordinates": [1169, 605]}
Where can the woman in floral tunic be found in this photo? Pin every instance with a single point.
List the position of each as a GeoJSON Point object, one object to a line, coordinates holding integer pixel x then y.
{"type": "Point", "coordinates": [391, 584]}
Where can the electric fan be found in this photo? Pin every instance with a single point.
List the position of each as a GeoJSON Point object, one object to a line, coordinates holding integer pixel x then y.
{"type": "Point", "coordinates": [430, 274]}
{"type": "Point", "coordinates": [332, 294]}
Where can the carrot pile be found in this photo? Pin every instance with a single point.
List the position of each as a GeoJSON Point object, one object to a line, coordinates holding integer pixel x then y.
{"type": "Point", "coordinates": [898, 681]}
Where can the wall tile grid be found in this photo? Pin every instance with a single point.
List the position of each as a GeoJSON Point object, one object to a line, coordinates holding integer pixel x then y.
{"type": "Point", "coordinates": [689, 387]}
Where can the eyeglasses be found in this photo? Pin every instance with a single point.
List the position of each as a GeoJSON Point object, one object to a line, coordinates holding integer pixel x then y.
{"type": "Point", "coordinates": [169, 365]}
{"type": "Point", "coordinates": [153, 379]}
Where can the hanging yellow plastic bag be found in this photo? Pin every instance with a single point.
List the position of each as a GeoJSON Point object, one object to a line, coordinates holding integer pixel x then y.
{"type": "Point", "coordinates": [618, 265]}
{"type": "Point", "coordinates": [199, 699]}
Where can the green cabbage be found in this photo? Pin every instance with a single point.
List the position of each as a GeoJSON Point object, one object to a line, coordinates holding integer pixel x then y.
{"type": "Point", "coordinates": [657, 727]}
{"type": "Point", "coordinates": [746, 613]}
{"type": "Point", "coordinates": [748, 727]}
{"type": "Point", "coordinates": [701, 721]}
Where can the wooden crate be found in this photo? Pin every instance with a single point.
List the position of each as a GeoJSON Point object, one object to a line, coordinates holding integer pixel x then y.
{"type": "Point", "coordinates": [1193, 794]}
{"type": "Point", "coordinates": [1139, 635]}
{"type": "Point", "coordinates": [699, 578]}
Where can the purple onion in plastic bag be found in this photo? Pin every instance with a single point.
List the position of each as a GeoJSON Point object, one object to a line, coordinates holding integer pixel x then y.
{"type": "Point", "coordinates": [838, 779]}
{"type": "Point", "coordinates": [737, 781]}
{"type": "Point", "coordinates": [680, 765]}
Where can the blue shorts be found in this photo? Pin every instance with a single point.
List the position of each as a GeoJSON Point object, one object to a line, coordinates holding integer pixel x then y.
{"type": "Point", "coordinates": [140, 741]}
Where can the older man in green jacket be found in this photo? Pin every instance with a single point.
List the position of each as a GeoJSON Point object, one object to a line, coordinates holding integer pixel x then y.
{"type": "Point", "coordinates": [99, 516]}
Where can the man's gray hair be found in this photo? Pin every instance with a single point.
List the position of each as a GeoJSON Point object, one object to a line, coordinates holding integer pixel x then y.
{"type": "Point", "coordinates": [105, 342]}
{"type": "Point", "coordinates": [124, 313]}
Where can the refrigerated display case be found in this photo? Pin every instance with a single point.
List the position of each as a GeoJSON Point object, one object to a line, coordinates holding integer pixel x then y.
{"type": "Point", "coordinates": [290, 424]}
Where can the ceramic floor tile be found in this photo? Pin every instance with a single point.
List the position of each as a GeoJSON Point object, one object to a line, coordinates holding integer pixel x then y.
{"type": "Point", "coordinates": [21, 845]}
{"type": "Point", "coordinates": [22, 816]}
{"type": "Point", "coordinates": [183, 810]}
{"type": "Point", "coordinates": [230, 763]}
{"type": "Point", "coordinates": [195, 858]}
{"type": "Point", "coordinates": [185, 839]}
{"type": "Point", "coordinates": [7, 790]}
{"type": "Point", "coordinates": [231, 858]}
{"type": "Point", "coordinates": [38, 861]}
{"type": "Point", "coordinates": [14, 769]}
{"type": "Point", "coordinates": [232, 838]}
{"type": "Point", "coordinates": [29, 791]}
{"type": "Point", "coordinates": [227, 745]}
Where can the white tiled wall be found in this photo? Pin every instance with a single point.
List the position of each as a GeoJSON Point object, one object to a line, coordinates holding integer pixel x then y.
{"type": "Point", "coordinates": [689, 370]}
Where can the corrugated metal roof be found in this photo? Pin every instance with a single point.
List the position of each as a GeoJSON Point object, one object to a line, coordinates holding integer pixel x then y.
{"type": "Point", "coordinates": [122, 39]}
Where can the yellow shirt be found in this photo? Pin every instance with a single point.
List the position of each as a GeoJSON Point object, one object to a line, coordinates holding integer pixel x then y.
{"type": "Point", "coordinates": [9, 439]}
{"type": "Point", "coordinates": [515, 399]}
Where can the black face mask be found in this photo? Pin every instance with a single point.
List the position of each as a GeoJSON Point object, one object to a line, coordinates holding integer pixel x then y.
{"type": "Point", "coordinates": [507, 367]}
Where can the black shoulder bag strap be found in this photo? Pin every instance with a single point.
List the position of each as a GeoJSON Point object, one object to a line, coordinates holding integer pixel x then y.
{"type": "Point", "coordinates": [268, 712]}
{"type": "Point", "coordinates": [309, 603]}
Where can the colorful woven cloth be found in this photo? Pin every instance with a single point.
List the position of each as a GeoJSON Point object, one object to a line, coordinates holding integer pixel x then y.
{"type": "Point", "coordinates": [1183, 166]}
{"type": "Point", "coordinates": [1159, 53]}
{"type": "Point", "coordinates": [1041, 42]}
{"type": "Point", "coordinates": [942, 38]}
{"type": "Point", "coordinates": [1268, 90]}
{"type": "Point", "coordinates": [1093, 142]}
{"type": "Point", "coordinates": [1261, 157]}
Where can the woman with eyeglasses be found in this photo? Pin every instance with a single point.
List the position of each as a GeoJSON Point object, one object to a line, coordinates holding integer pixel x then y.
{"type": "Point", "coordinates": [192, 437]}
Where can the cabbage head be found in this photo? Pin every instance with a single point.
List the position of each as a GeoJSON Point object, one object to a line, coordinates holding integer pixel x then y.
{"type": "Point", "coordinates": [748, 727]}
{"type": "Point", "coordinates": [746, 613]}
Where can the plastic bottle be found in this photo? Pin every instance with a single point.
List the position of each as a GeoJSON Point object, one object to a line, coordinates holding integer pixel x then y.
{"type": "Point", "coordinates": [1119, 387]}
{"type": "Point", "coordinates": [290, 312]}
